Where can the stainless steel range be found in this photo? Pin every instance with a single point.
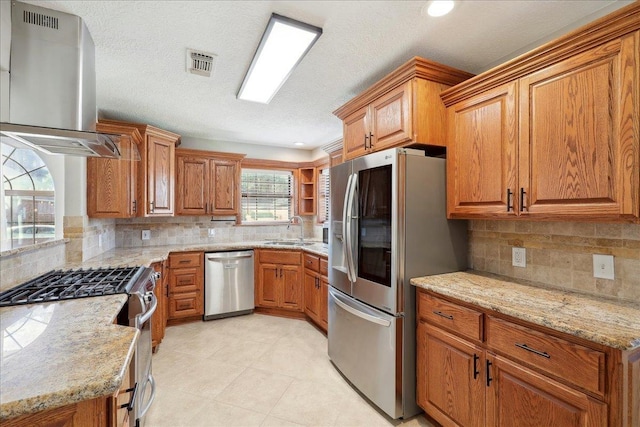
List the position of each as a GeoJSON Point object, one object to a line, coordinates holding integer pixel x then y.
{"type": "Point", "coordinates": [137, 282]}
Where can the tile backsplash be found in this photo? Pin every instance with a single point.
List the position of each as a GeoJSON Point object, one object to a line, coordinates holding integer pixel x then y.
{"type": "Point", "coordinates": [560, 253]}
{"type": "Point", "coordinates": [186, 230]}
{"type": "Point", "coordinates": [26, 264]}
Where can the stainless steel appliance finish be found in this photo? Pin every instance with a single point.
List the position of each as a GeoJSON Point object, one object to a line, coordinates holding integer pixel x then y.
{"type": "Point", "coordinates": [229, 284]}
{"type": "Point", "coordinates": [388, 224]}
{"type": "Point", "coordinates": [52, 85]}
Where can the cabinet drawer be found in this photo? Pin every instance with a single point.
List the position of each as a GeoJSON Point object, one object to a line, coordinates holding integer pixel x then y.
{"type": "Point", "coordinates": [184, 280]}
{"type": "Point", "coordinates": [464, 321]}
{"type": "Point", "coordinates": [185, 259]}
{"type": "Point", "coordinates": [280, 257]}
{"type": "Point", "coordinates": [324, 266]}
{"type": "Point", "coordinates": [185, 304]}
{"type": "Point", "coordinates": [579, 365]}
{"type": "Point", "coordinates": [311, 262]}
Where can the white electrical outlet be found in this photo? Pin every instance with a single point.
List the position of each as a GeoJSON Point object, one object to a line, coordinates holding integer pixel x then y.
{"type": "Point", "coordinates": [99, 240]}
{"type": "Point", "coordinates": [212, 232]}
{"type": "Point", "coordinates": [518, 257]}
{"type": "Point", "coordinates": [603, 266]}
{"type": "Point", "coordinates": [146, 234]}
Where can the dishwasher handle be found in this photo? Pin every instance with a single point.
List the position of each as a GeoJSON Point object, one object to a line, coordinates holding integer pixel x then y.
{"type": "Point", "coordinates": [220, 256]}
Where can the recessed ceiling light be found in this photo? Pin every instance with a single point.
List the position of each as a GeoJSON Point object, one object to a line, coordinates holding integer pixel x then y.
{"type": "Point", "coordinates": [284, 43]}
{"type": "Point", "coordinates": [440, 7]}
{"type": "Point", "coordinates": [298, 143]}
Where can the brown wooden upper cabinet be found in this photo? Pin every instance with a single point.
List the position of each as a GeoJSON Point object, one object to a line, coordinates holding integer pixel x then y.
{"type": "Point", "coordinates": [208, 183]}
{"type": "Point", "coordinates": [401, 109]}
{"type": "Point", "coordinates": [307, 190]}
{"type": "Point", "coordinates": [156, 169]}
{"type": "Point", "coordinates": [112, 183]}
{"type": "Point", "coordinates": [553, 134]}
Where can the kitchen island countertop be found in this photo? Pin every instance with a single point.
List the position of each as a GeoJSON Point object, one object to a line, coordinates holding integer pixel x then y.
{"type": "Point", "coordinates": [59, 353]}
{"type": "Point", "coordinates": [611, 322]}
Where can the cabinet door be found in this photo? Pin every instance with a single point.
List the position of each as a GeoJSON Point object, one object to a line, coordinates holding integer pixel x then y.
{"type": "Point", "coordinates": [192, 182]}
{"type": "Point", "coordinates": [482, 156]}
{"type": "Point", "coordinates": [291, 287]}
{"type": "Point", "coordinates": [111, 184]}
{"type": "Point", "coordinates": [324, 302]}
{"type": "Point", "coordinates": [311, 296]}
{"type": "Point", "coordinates": [578, 147]}
{"type": "Point", "coordinates": [184, 280]}
{"type": "Point", "coordinates": [450, 383]}
{"type": "Point", "coordinates": [159, 319]}
{"type": "Point", "coordinates": [160, 176]}
{"type": "Point", "coordinates": [226, 183]}
{"type": "Point", "coordinates": [520, 397]}
{"type": "Point", "coordinates": [268, 285]}
{"type": "Point", "coordinates": [391, 118]}
{"type": "Point", "coordinates": [355, 129]}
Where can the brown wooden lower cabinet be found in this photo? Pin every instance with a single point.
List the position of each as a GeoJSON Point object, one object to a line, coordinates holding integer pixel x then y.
{"type": "Point", "coordinates": [279, 282]}
{"type": "Point", "coordinates": [159, 319]}
{"type": "Point", "coordinates": [186, 285]}
{"type": "Point", "coordinates": [478, 368]}
{"type": "Point", "coordinates": [316, 290]}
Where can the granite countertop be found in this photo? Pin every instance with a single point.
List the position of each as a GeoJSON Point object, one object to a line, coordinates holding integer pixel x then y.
{"type": "Point", "coordinates": [59, 353]}
{"type": "Point", "coordinates": [614, 323]}
{"type": "Point", "coordinates": [129, 257]}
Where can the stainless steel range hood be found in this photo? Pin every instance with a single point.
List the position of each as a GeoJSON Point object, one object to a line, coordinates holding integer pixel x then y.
{"type": "Point", "coordinates": [52, 85]}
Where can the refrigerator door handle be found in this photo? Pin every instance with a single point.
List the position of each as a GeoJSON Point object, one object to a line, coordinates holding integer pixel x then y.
{"type": "Point", "coordinates": [348, 221]}
{"type": "Point", "coordinates": [346, 228]}
{"type": "Point", "coordinates": [353, 310]}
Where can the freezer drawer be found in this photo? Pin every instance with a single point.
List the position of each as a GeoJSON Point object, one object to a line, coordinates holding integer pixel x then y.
{"type": "Point", "coordinates": [229, 285]}
{"type": "Point", "coordinates": [365, 345]}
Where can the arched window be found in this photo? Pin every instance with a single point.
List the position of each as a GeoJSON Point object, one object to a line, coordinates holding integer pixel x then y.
{"type": "Point", "coordinates": [28, 197]}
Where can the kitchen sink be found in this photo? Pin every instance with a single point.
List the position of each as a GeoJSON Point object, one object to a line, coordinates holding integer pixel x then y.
{"type": "Point", "coordinates": [289, 243]}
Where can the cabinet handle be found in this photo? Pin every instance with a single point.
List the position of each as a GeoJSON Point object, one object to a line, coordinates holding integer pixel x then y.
{"type": "Point", "coordinates": [184, 261]}
{"type": "Point", "coordinates": [135, 206]}
{"type": "Point", "coordinates": [167, 290]}
{"type": "Point", "coordinates": [151, 205]}
{"type": "Point", "coordinates": [370, 140]}
{"type": "Point", "coordinates": [475, 366]}
{"type": "Point", "coordinates": [134, 391]}
{"type": "Point", "coordinates": [366, 138]}
{"type": "Point", "coordinates": [281, 273]}
{"type": "Point", "coordinates": [276, 273]}
{"type": "Point", "coordinates": [522, 193]}
{"type": "Point", "coordinates": [489, 379]}
{"type": "Point", "coordinates": [534, 351]}
{"type": "Point", "coordinates": [509, 205]}
{"type": "Point", "coordinates": [441, 314]}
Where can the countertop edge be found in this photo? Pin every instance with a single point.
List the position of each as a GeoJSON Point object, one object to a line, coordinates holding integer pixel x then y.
{"type": "Point", "coordinates": [540, 320]}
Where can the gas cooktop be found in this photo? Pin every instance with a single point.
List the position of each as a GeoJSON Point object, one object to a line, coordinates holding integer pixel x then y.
{"type": "Point", "coordinates": [59, 285]}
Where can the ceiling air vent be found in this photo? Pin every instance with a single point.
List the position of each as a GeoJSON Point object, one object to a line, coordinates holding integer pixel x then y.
{"type": "Point", "coordinates": [201, 63]}
{"type": "Point", "coordinates": [40, 19]}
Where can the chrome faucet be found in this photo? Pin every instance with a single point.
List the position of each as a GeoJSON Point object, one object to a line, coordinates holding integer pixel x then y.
{"type": "Point", "coordinates": [301, 226]}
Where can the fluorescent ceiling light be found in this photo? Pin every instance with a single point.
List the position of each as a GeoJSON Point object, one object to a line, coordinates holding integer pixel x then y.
{"type": "Point", "coordinates": [283, 45]}
{"type": "Point", "coordinates": [440, 7]}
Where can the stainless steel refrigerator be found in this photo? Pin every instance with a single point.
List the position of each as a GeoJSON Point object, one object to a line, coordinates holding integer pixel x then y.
{"type": "Point", "coordinates": [387, 224]}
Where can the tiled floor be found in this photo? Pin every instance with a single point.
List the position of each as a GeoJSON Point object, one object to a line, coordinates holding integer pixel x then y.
{"type": "Point", "coordinates": [254, 370]}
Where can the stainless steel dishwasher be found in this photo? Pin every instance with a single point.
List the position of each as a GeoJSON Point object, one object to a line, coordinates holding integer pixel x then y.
{"type": "Point", "coordinates": [228, 284]}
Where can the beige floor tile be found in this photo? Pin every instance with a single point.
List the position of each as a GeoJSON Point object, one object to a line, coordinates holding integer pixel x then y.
{"type": "Point", "coordinates": [170, 406]}
{"type": "Point", "coordinates": [241, 352]}
{"type": "Point", "coordinates": [277, 422]}
{"type": "Point", "coordinates": [310, 403]}
{"type": "Point", "coordinates": [256, 390]}
{"type": "Point", "coordinates": [355, 411]}
{"type": "Point", "coordinates": [214, 414]}
{"type": "Point", "coordinates": [206, 378]}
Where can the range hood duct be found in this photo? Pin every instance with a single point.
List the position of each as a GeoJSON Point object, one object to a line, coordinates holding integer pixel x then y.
{"type": "Point", "coordinates": [52, 85]}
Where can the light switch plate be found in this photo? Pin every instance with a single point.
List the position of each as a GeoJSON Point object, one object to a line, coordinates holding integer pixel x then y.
{"type": "Point", "coordinates": [146, 234]}
{"type": "Point", "coordinates": [212, 232]}
{"type": "Point", "coordinates": [603, 267]}
{"type": "Point", "coordinates": [518, 257]}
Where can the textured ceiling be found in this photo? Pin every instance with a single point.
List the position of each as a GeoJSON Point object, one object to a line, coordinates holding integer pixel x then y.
{"type": "Point", "coordinates": [141, 56]}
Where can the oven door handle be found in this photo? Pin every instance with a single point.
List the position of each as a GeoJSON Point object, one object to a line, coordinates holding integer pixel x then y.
{"type": "Point", "coordinates": [147, 314]}
{"type": "Point", "coordinates": [143, 412]}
